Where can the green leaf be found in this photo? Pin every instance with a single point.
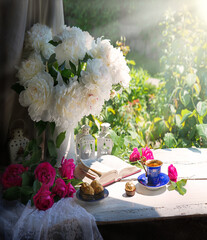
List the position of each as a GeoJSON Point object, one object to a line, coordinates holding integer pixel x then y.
{"type": "Point", "coordinates": [26, 190]}
{"type": "Point", "coordinates": [18, 88]}
{"type": "Point", "coordinates": [114, 136]}
{"type": "Point", "coordinates": [36, 186]}
{"type": "Point", "coordinates": [182, 182]}
{"type": "Point", "coordinates": [185, 116]}
{"type": "Point", "coordinates": [181, 190]}
{"type": "Point", "coordinates": [184, 97]}
{"type": "Point", "coordinates": [60, 138]}
{"type": "Point", "coordinates": [118, 87]}
{"type": "Point", "coordinates": [54, 43]}
{"type": "Point", "coordinates": [201, 108]}
{"type": "Point", "coordinates": [170, 140]}
{"type": "Point", "coordinates": [27, 179]}
{"type": "Point", "coordinates": [12, 193]}
{"type": "Point", "coordinates": [52, 127]}
{"type": "Point", "coordinates": [171, 187]}
{"type": "Point", "coordinates": [74, 181]}
{"type": "Point", "coordinates": [52, 59]}
{"type": "Point", "coordinates": [79, 68]}
{"type": "Point", "coordinates": [66, 73]}
{"type": "Point", "coordinates": [202, 130]}
{"type": "Point", "coordinates": [52, 148]}
{"type": "Point", "coordinates": [36, 156]}
{"type": "Point", "coordinates": [53, 161]}
{"type": "Point", "coordinates": [25, 194]}
{"type": "Point", "coordinates": [87, 56]}
{"type": "Point", "coordinates": [41, 126]}
{"type": "Point", "coordinates": [73, 67]}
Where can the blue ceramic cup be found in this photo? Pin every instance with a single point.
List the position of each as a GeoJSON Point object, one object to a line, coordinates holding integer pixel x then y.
{"type": "Point", "coordinates": [153, 171]}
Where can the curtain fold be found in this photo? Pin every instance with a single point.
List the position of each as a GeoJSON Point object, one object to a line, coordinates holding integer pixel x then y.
{"type": "Point", "coordinates": [16, 17]}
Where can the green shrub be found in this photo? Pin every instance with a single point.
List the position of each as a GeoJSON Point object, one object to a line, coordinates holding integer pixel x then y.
{"type": "Point", "coordinates": [184, 72]}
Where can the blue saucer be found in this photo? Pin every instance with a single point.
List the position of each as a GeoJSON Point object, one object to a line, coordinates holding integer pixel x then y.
{"type": "Point", "coordinates": [164, 180]}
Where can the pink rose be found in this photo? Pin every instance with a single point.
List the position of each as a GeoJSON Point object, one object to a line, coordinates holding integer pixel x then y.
{"type": "Point", "coordinates": [60, 188]}
{"type": "Point", "coordinates": [147, 153]}
{"type": "Point", "coordinates": [12, 175]}
{"type": "Point", "coordinates": [45, 173]}
{"type": "Point", "coordinates": [172, 173]}
{"type": "Point", "coordinates": [135, 155]}
{"type": "Point", "coordinates": [70, 190]}
{"type": "Point", "coordinates": [43, 199]}
{"type": "Point", "coordinates": [67, 168]}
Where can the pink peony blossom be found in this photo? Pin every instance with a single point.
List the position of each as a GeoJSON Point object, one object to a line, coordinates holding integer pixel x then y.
{"type": "Point", "coordinates": [45, 173]}
{"type": "Point", "coordinates": [147, 153]}
{"type": "Point", "coordinates": [67, 168]}
{"type": "Point", "coordinates": [172, 173]}
{"type": "Point", "coordinates": [70, 190]}
{"type": "Point", "coordinates": [135, 155]}
{"type": "Point", "coordinates": [12, 175]}
{"type": "Point", "coordinates": [60, 189]}
{"type": "Point", "coordinates": [43, 200]}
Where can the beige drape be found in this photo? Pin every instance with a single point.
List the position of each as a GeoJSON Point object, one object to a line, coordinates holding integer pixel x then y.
{"type": "Point", "coordinates": [17, 16]}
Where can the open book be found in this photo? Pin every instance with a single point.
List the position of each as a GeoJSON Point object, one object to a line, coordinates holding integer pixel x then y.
{"type": "Point", "coordinates": [107, 169]}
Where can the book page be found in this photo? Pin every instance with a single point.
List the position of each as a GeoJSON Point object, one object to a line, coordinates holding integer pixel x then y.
{"type": "Point", "coordinates": [95, 164]}
{"type": "Point", "coordinates": [123, 168]}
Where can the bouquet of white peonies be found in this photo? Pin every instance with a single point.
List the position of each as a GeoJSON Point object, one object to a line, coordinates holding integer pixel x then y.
{"type": "Point", "coordinates": [68, 76]}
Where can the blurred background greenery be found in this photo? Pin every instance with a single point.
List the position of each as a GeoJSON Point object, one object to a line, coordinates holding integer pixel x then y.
{"type": "Point", "coordinates": [165, 105]}
{"type": "Point", "coordinates": [137, 20]}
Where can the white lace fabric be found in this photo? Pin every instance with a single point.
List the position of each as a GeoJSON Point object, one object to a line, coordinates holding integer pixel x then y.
{"type": "Point", "coordinates": [65, 220]}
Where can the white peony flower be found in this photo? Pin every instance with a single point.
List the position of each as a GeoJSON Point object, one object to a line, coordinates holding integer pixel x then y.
{"type": "Point", "coordinates": [96, 75]}
{"type": "Point", "coordinates": [47, 50]}
{"type": "Point", "coordinates": [67, 103]}
{"type": "Point", "coordinates": [97, 86]}
{"type": "Point", "coordinates": [38, 37]}
{"type": "Point", "coordinates": [63, 35]}
{"type": "Point", "coordinates": [114, 60]}
{"type": "Point", "coordinates": [37, 96]}
{"type": "Point", "coordinates": [30, 68]}
{"type": "Point", "coordinates": [75, 44]}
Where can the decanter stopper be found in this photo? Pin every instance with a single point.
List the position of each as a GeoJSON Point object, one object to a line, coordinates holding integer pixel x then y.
{"type": "Point", "coordinates": [87, 144]}
{"type": "Point", "coordinates": [104, 141]}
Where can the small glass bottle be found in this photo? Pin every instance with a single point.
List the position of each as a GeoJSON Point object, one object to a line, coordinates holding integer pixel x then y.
{"type": "Point", "coordinates": [104, 141]}
{"type": "Point", "coordinates": [87, 144]}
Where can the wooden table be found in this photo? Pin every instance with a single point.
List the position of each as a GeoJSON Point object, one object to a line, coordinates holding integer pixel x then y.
{"type": "Point", "coordinates": [162, 204]}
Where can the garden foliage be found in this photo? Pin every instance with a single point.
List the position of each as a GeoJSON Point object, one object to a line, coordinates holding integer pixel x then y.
{"type": "Point", "coordinates": [174, 114]}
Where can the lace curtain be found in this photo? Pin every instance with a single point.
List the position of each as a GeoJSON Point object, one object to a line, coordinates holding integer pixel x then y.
{"type": "Point", "coordinates": [17, 16]}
